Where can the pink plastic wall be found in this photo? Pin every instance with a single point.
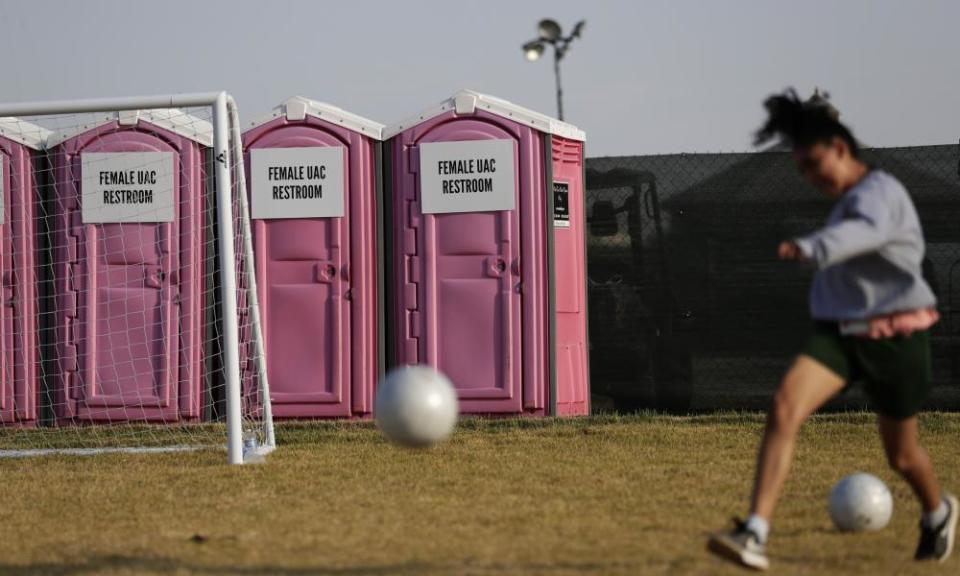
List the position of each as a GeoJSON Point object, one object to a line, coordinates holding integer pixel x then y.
{"type": "Point", "coordinates": [487, 330]}
{"type": "Point", "coordinates": [317, 284]}
{"type": "Point", "coordinates": [128, 296]}
{"type": "Point", "coordinates": [18, 312]}
{"type": "Point", "coordinates": [573, 394]}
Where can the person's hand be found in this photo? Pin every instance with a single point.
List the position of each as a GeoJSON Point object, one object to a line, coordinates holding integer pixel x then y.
{"type": "Point", "coordinates": [789, 250]}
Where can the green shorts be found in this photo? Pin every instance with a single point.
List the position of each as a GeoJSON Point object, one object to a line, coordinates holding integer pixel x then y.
{"type": "Point", "coordinates": [895, 371]}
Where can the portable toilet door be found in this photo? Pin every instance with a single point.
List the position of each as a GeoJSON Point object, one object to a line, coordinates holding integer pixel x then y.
{"type": "Point", "coordinates": [19, 170]}
{"type": "Point", "coordinates": [314, 186]}
{"type": "Point", "coordinates": [128, 267]}
{"type": "Point", "coordinates": [476, 246]}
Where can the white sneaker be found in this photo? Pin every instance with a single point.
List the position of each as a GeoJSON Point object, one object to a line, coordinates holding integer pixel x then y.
{"type": "Point", "coordinates": [741, 546]}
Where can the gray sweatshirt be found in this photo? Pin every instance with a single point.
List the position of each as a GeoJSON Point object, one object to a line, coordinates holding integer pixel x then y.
{"type": "Point", "coordinates": [869, 254]}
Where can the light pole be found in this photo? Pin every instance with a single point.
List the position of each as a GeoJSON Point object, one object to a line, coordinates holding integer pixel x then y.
{"type": "Point", "coordinates": [550, 33]}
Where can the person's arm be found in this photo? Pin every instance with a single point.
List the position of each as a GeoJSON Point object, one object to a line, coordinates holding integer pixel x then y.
{"type": "Point", "coordinates": [866, 227]}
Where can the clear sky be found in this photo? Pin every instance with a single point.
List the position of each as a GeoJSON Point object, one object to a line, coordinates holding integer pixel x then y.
{"type": "Point", "coordinates": [647, 77]}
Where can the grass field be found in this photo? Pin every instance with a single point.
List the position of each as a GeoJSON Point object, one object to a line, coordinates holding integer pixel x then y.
{"type": "Point", "coordinates": [603, 495]}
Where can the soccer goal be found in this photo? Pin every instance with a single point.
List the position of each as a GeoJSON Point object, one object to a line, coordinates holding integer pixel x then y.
{"type": "Point", "coordinates": [129, 318]}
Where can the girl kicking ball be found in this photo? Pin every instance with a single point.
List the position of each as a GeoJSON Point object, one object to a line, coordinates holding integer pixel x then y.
{"type": "Point", "coordinates": [871, 310]}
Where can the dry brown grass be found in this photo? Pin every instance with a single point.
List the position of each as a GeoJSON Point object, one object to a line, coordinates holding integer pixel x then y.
{"type": "Point", "coordinates": [605, 495]}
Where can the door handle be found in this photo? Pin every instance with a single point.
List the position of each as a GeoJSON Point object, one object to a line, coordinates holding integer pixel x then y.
{"type": "Point", "coordinates": [325, 272]}
{"type": "Point", "coordinates": [496, 266]}
{"type": "Point", "coordinates": [155, 277]}
{"type": "Point", "coordinates": [9, 298]}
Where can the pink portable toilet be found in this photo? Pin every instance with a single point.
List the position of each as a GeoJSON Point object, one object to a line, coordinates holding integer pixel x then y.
{"type": "Point", "coordinates": [128, 260]}
{"type": "Point", "coordinates": [314, 183]}
{"type": "Point", "coordinates": [487, 259]}
{"type": "Point", "coordinates": [19, 159]}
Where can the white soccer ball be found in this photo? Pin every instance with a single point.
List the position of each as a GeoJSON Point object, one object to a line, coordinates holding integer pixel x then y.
{"type": "Point", "coordinates": [416, 406]}
{"type": "Point", "coordinates": [860, 502]}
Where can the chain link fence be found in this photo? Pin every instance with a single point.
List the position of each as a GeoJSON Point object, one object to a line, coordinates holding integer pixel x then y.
{"type": "Point", "coordinates": [690, 310]}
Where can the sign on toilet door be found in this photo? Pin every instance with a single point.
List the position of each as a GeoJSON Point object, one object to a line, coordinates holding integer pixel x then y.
{"type": "Point", "coordinates": [120, 187]}
{"type": "Point", "coordinates": [474, 176]}
{"type": "Point", "coordinates": [297, 182]}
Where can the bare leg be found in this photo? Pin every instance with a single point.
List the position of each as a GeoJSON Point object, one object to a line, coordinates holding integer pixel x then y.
{"type": "Point", "coordinates": [806, 386]}
{"type": "Point", "coordinates": [901, 441]}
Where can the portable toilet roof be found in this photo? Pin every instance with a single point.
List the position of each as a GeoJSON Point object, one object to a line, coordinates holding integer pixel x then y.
{"type": "Point", "coordinates": [467, 101]}
{"type": "Point", "coordinates": [172, 119]}
{"type": "Point", "coordinates": [298, 108]}
{"type": "Point", "coordinates": [23, 132]}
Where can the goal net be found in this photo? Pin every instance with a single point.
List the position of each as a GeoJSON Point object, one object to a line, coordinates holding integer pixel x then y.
{"type": "Point", "coordinates": [128, 319]}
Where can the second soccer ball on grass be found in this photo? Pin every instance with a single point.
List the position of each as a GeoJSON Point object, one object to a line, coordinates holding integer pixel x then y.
{"type": "Point", "coordinates": [860, 502]}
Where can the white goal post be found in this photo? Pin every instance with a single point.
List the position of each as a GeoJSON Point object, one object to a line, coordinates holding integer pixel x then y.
{"type": "Point", "coordinates": [232, 222]}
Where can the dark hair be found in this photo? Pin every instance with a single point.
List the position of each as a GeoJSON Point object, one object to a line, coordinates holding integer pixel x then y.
{"type": "Point", "coordinates": [803, 124]}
